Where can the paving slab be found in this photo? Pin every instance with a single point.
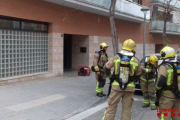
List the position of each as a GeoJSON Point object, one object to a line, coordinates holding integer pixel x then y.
{"type": "Point", "coordinates": [41, 99]}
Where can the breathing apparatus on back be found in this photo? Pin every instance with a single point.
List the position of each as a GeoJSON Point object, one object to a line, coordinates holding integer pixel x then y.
{"type": "Point", "coordinates": [125, 57]}
{"type": "Point", "coordinates": [124, 67]}
{"type": "Point", "coordinates": [102, 48]}
{"type": "Point", "coordinates": [168, 55]}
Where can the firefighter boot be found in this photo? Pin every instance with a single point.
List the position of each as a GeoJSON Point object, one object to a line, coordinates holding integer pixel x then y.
{"type": "Point", "coordinates": [146, 103]}
{"type": "Point", "coordinates": [153, 106]}
{"type": "Point", "coordinates": [103, 94]}
{"type": "Point", "coordinates": [99, 95]}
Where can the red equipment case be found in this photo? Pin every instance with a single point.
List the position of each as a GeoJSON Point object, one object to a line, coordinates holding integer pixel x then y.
{"type": "Point", "coordinates": [84, 71]}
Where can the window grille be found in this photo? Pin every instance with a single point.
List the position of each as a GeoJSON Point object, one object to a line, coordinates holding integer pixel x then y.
{"type": "Point", "coordinates": [22, 53]}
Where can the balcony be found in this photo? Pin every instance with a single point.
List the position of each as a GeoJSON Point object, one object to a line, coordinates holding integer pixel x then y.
{"type": "Point", "coordinates": [124, 10]}
{"type": "Point", "coordinates": [174, 3]}
{"type": "Point", "coordinates": [171, 28]}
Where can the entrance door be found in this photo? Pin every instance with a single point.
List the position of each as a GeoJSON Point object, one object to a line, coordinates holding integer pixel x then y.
{"type": "Point", "coordinates": [158, 48]}
{"type": "Point", "coordinates": [67, 51]}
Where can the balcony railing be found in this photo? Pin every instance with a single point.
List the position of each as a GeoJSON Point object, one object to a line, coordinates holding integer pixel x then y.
{"type": "Point", "coordinates": [122, 6]}
{"type": "Point", "coordinates": [174, 3]}
{"type": "Point", "coordinates": [124, 9]}
{"type": "Point", "coordinates": [171, 28]}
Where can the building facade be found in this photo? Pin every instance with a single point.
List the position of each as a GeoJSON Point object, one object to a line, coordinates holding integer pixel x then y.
{"type": "Point", "coordinates": [172, 27]}
{"type": "Point", "coordinates": [42, 38]}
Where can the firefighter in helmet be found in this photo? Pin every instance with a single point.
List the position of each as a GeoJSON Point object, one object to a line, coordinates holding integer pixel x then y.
{"type": "Point", "coordinates": [127, 71]}
{"type": "Point", "coordinates": [168, 84]}
{"type": "Point", "coordinates": [99, 61]}
{"type": "Point", "coordinates": [147, 82]}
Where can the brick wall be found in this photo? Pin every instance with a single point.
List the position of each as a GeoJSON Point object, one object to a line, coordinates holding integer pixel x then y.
{"type": "Point", "coordinates": [174, 40]}
{"type": "Point", "coordinates": [64, 20]}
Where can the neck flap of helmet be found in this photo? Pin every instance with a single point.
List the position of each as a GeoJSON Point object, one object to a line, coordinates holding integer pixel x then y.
{"type": "Point", "coordinates": [127, 53]}
{"type": "Point", "coordinates": [171, 60]}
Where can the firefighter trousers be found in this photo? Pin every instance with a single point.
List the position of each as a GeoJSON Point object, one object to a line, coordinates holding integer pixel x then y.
{"type": "Point", "coordinates": [148, 89]}
{"type": "Point", "coordinates": [113, 100]}
{"type": "Point", "coordinates": [100, 83]}
{"type": "Point", "coordinates": [166, 103]}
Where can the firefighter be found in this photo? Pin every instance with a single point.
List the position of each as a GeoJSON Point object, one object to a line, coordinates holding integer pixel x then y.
{"type": "Point", "coordinates": [147, 82]}
{"type": "Point", "coordinates": [178, 56]}
{"type": "Point", "coordinates": [167, 84]}
{"type": "Point", "coordinates": [127, 71]}
{"type": "Point", "coordinates": [99, 61]}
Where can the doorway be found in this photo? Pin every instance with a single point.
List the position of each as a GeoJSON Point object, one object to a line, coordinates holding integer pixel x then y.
{"type": "Point", "coordinates": [67, 51]}
{"type": "Point", "coordinates": [158, 48]}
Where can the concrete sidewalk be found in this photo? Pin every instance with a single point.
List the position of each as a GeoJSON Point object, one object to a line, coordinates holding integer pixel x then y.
{"type": "Point", "coordinates": [50, 99]}
{"type": "Point", "coordinates": [138, 112]}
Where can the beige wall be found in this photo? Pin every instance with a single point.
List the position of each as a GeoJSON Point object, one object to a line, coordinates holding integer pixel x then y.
{"type": "Point", "coordinates": [175, 46]}
{"type": "Point", "coordinates": [149, 49]}
{"type": "Point", "coordinates": [78, 58]}
{"type": "Point", "coordinates": [94, 45]}
{"type": "Point", "coordinates": [55, 54]}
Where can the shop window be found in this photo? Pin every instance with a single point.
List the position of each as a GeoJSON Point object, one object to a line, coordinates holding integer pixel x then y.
{"type": "Point", "coordinates": [25, 25]}
{"type": "Point", "coordinates": [9, 24]}
{"type": "Point", "coordinates": [23, 53]}
{"type": "Point", "coordinates": [34, 26]}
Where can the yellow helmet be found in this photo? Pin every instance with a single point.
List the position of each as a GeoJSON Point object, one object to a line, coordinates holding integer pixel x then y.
{"type": "Point", "coordinates": [153, 60]}
{"type": "Point", "coordinates": [129, 45]}
{"type": "Point", "coordinates": [167, 52]}
{"type": "Point", "coordinates": [103, 45]}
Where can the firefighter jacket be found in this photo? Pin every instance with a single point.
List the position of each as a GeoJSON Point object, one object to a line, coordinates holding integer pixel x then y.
{"type": "Point", "coordinates": [165, 80]}
{"type": "Point", "coordinates": [149, 73]}
{"type": "Point", "coordinates": [100, 60]}
{"type": "Point", "coordinates": [135, 70]}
